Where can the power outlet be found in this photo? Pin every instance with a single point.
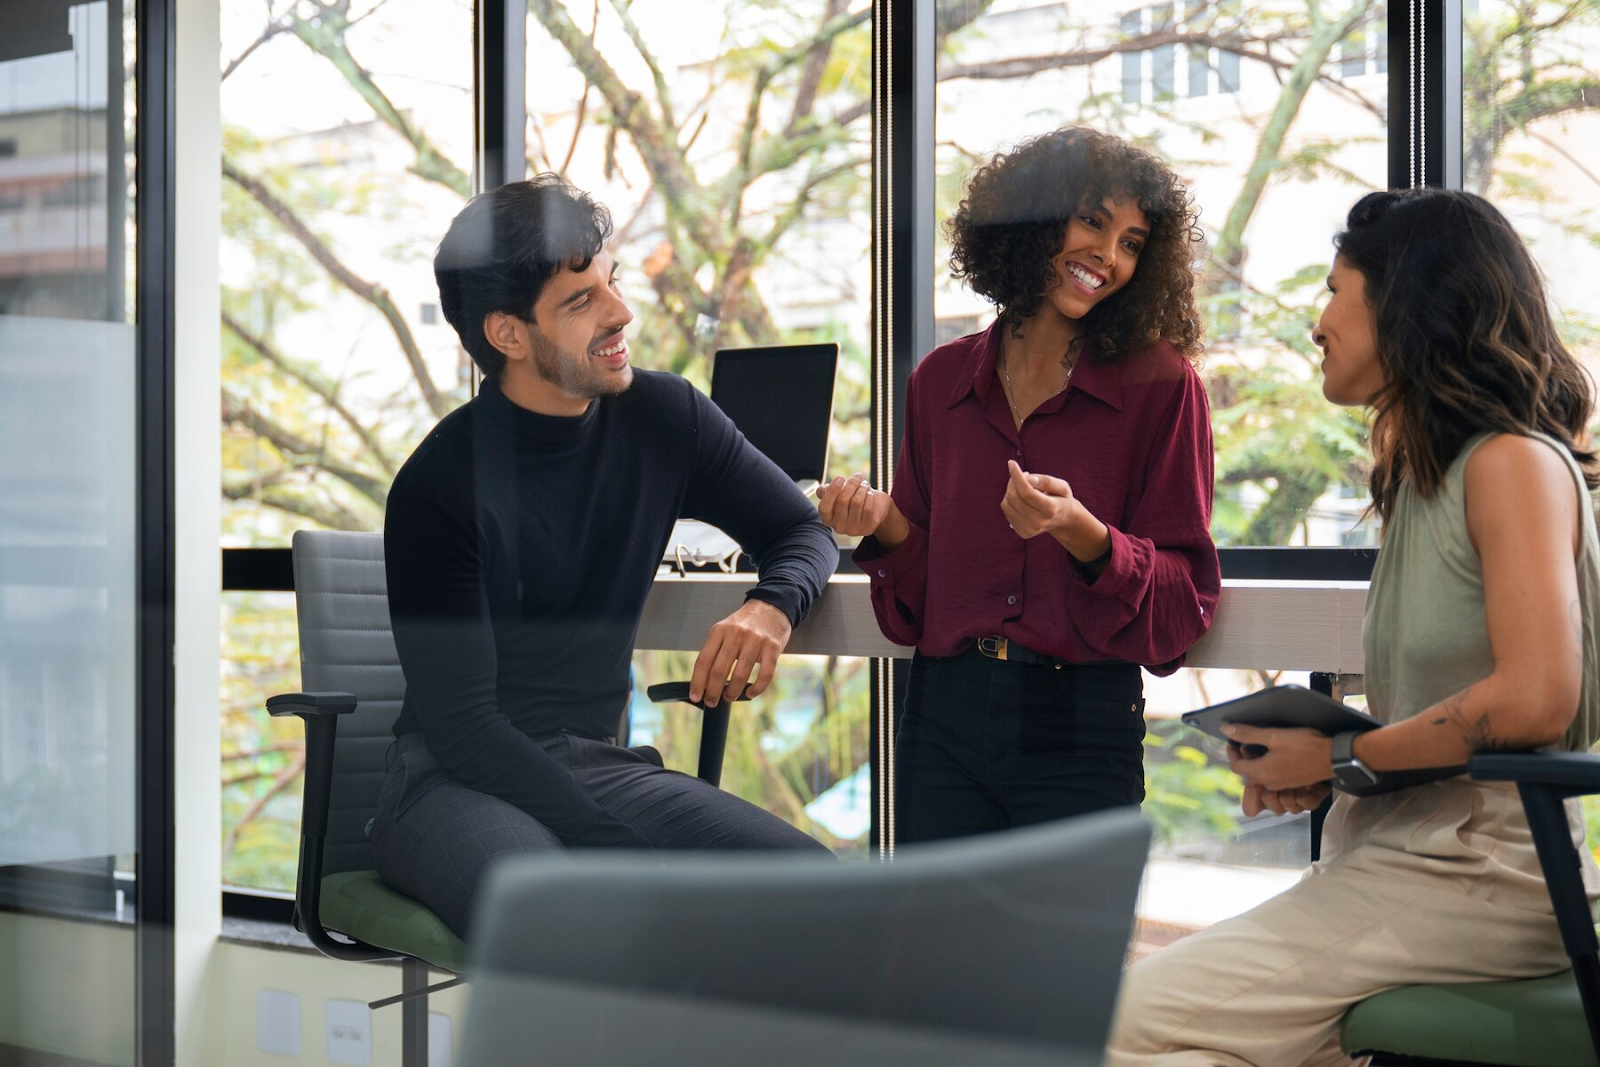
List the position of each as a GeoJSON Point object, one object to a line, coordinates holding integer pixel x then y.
{"type": "Point", "coordinates": [441, 1040]}
{"type": "Point", "coordinates": [349, 1032]}
{"type": "Point", "coordinates": [277, 1022]}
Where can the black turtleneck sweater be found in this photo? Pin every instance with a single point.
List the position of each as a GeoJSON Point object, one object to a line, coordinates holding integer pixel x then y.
{"type": "Point", "coordinates": [520, 548]}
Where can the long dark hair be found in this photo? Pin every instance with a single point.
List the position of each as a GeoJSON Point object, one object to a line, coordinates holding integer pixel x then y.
{"type": "Point", "coordinates": [1016, 209]}
{"type": "Point", "coordinates": [1464, 336]}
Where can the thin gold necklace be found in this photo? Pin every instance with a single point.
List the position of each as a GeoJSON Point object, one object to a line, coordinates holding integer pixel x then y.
{"type": "Point", "coordinates": [1005, 369]}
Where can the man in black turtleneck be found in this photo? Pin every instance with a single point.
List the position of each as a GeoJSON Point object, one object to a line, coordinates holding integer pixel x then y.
{"type": "Point", "coordinates": [521, 540]}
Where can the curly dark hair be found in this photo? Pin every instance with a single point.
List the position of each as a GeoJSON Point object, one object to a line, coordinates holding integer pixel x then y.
{"type": "Point", "coordinates": [1011, 223]}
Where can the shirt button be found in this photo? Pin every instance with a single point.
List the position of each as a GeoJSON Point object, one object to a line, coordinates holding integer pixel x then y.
{"type": "Point", "coordinates": [883, 574]}
{"type": "Point", "coordinates": [1011, 600]}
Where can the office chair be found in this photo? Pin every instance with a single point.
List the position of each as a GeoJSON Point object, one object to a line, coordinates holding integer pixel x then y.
{"type": "Point", "coordinates": [351, 672]}
{"type": "Point", "coordinates": [1535, 1022]}
{"type": "Point", "coordinates": [999, 950]}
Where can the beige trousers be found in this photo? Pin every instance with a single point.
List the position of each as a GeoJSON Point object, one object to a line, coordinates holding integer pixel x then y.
{"type": "Point", "coordinates": [1439, 883]}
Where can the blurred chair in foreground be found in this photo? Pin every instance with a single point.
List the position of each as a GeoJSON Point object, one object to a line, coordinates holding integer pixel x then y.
{"type": "Point", "coordinates": [1000, 950]}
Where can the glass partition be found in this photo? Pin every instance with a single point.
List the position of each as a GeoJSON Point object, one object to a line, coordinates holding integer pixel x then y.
{"type": "Point", "coordinates": [68, 613]}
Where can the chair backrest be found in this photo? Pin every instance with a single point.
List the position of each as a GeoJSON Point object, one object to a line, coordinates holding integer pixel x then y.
{"type": "Point", "coordinates": [347, 646]}
{"type": "Point", "coordinates": [1014, 940]}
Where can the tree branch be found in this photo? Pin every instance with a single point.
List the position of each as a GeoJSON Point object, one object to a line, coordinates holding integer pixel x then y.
{"type": "Point", "coordinates": [372, 293]}
{"type": "Point", "coordinates": [284, 779]}
{"type": "Point", "coordinates": [323, 32]}
{"type": "Point", "coordinates": [816, 66]}
{"type": "Point", "coordinates": [313, 380]}
{"type": "Point", "coordinates": [327, 513]}
{"type": "Point", "coordinates": [240, 413]}
{"type": "Point", "coordinates": [657, 144]}
{"type": "Point", "coordinates": [1229, 246]}
{"type": "Point", "coordinates": [273, 29]}
{"type": "Point", "coordinates": [663, 93]}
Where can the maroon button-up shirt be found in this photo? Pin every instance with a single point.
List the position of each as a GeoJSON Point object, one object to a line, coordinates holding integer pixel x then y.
{"type": "Point", "coordinates": [1132, 438]}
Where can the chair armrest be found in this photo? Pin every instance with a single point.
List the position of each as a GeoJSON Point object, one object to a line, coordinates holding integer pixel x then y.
{"type": "Point", "coordinates": [311, 704]}
{"type": "Point", "coordinates": [662, 692]}
{"type": "Point", "coordinates": [1571, 774]}
{"type": "Point", "coordinates": [713, 726]}
{"type": "Point", "coordinates": [1545, 780]}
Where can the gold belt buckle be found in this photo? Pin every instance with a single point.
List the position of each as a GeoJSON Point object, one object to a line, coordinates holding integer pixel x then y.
{"type": "Point", "coordinates": [993, 647]}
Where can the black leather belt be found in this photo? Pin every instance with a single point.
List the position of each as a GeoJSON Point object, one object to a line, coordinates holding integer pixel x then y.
{"type": "Point", "coordinates": [1004, 649]}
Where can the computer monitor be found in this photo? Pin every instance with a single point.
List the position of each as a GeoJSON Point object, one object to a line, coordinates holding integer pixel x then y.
{"type": "Point", "coordinates": [781, 398]}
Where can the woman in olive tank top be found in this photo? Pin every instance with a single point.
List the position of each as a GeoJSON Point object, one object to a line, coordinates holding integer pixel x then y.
{"type": "Point", "coordinates": [1480, 634]}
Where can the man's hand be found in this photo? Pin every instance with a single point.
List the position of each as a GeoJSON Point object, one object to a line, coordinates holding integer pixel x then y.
{"type": "Point", "coordinates": [750, 638]}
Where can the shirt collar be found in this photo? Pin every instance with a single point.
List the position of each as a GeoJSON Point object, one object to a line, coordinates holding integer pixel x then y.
{"type": "Point", "coordinates": [1100, 379]}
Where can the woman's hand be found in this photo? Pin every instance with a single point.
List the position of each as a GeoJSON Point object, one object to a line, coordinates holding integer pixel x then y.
{"type": "Point", "coordinates": [1294, 758]}
{"type": "Point", "coordinates": [1037, 503]}
{"type": "Point", "coordinates": [851, 506]}
{"type": "Point", "coordinates": [1257, 798]}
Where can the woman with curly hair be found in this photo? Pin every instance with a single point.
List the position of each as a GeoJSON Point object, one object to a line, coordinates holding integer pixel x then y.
{"type": "Point", "coordinates": [1482, 632]}
{"type": "Point", "coordinates": [1048, 529]}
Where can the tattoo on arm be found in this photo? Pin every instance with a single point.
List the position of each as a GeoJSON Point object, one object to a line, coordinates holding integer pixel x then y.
{"type": "Point", "coordinates": [1475, 730]}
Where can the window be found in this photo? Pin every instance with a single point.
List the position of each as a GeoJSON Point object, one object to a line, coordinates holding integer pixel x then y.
{"type": "Point", "coordinates": [1208, 67]}
{"type": "Point", "coordinates": [1206, 87]}
{"type": "Point", "coordinates": [1285, 458]}
{"type": "Point", "coordinates": [1531, 143]}
{"type": "Point", "coordinates": [347, 145]}
{"type": "Point", "coordinates": [731, 143]}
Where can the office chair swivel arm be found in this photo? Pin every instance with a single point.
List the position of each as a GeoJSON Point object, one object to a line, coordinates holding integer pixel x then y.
{"type": "Point", "coordinates": [713, 727]}
{"type": "Point", "coordinates": [1545, 780]}
{"type": "Point", "coordinates": [320, 712]}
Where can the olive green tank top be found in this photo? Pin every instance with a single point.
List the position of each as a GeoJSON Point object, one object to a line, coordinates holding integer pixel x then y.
{"type": "Point", "coordinates": [1425, 634]}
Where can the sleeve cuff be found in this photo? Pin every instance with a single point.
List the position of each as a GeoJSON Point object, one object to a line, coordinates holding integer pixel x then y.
{"type": "Point", "coordinates": [1121, 568]}
{"type": "Point", "coordinates": [886, 568]}
{"type": "Point", "coordinates": [783, 598]}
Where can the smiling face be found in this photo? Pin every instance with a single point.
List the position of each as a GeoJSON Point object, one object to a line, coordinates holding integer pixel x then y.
{"type": "Point", "coordinates": [572, 350]}
{"type": "Point", "coordinates": [1347, 334]}
{"type": "Point", "coordinates": [1099, 253]}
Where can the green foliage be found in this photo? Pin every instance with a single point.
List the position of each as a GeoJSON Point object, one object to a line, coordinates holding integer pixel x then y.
{"type": "Point", "coordinates": [1188, 792]}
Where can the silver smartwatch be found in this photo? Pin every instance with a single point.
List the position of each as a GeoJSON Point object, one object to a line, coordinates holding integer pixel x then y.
{"type": "Point", "coordinates": [1350, 773]}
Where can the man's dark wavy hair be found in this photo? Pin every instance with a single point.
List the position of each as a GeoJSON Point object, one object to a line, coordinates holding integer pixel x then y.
{"type": "Point", "coordinates": [1015, 214]}
{"type": "Point", "coordinates": [1465, 337]}
{"type": "Point", "coordinates": [502, 249]}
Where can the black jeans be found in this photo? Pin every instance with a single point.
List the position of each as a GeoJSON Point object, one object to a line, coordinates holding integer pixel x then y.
{"type": "Point", "coordinates": [434, 838]}
{"type": "Point", "coordinates": [986, 745]}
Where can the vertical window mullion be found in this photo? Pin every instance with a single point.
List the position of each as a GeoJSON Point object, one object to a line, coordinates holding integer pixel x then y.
{"type": "Point", "coordinates": [903, 126]}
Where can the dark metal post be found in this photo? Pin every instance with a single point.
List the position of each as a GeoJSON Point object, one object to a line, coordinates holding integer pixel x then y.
{"type": "Point", "coordinates": [413, 1014]}
{"type": "Point", "coordinates": [156, 563]}
{"type": "Point", "coordinates": [501, 81]}
{"type": "Point", "coordinates": [903, 60]}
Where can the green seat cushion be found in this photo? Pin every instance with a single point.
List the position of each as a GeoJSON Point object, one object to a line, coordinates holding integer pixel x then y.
{"type": "Point", "coordinates": [358, 904]}
{"type": "Point", "coordinates": [1536, 1022]}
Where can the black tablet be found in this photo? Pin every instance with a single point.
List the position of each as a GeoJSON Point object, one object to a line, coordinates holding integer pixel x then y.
{"type": "Point", "coordinates": [1287, 706]}
{"type": "Point", "coordinates": [1283, 706]}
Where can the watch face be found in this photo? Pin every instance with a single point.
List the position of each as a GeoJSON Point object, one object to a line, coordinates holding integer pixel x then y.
{"type": "Point", "coordinates": [1354, 775]}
